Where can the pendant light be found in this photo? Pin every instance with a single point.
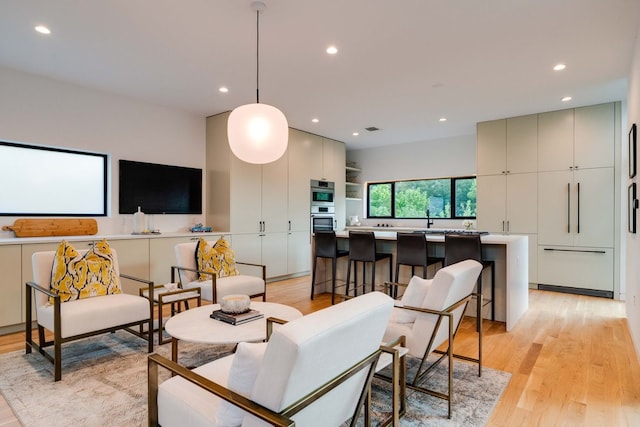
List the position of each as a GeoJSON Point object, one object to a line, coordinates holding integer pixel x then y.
{"type": "Point", "coordinates": [258, 133]}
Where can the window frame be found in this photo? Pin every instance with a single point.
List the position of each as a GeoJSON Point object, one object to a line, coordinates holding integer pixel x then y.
{"type": "Point", "coordinates": [452, 199]}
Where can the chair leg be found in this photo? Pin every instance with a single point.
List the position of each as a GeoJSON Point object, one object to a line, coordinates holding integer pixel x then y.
{"type": "Point", "coordinates": [373, 277]}
{"type": "Point", "coordinates": [313, 276]}
{"type": "Point", "coordinates": [493, 292]}
{"type": "Point", "coordinates": [334, 261]}
{"type": "Point", "coordinates": [479, 304]}
{"type": "Point", "coordinates": [346, 289]}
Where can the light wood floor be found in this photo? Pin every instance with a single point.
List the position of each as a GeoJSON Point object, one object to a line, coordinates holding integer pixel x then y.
{"type": "Point", "coordinates": [571, 358]}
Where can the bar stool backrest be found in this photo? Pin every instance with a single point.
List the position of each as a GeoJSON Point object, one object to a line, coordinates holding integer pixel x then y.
{"type": "Point", "coordinates": [461, 247]}
{"type": "Point", "coordinates": [411, 249]}
{"type": "Point", "coordinates": [362, 246]}
{"type": "Point", "coordinates": [326, 245]}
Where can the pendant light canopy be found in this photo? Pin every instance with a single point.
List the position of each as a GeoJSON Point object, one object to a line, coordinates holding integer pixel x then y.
{"type": "Point", "coordinates": [258, 133]}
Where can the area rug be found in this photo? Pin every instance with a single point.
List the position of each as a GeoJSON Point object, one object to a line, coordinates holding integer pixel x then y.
{"type": "Point", "coordinates": [104, 383]}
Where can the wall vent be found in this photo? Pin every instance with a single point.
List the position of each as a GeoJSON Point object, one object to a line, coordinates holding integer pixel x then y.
{"type": "Point", "coordinates": [372, 128]}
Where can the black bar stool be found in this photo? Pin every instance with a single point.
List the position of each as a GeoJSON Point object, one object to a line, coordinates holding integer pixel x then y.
{"type": "Point", "coordinates": [362, 248]}
{"type": "Point", "coordinates": [412, 250]}
{"type": "Point", "coordinates": [326, 246]}
{"type": "Point", "coordinates": [459, 247]}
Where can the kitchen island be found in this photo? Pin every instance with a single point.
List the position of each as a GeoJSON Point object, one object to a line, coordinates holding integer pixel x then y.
{"type": "Point", "coordinates": [509, 252]}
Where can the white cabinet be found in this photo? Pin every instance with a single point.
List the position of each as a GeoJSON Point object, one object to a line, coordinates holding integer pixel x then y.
{"type": "Point", "coordinates": [507, 146]}
{"type": "Point", "coordinates": [162, 255]}
{"type": "Point", "coordinates": [301, 149]}
{"type": "Point", "coordinates": [576, 208]}
{"type": "Point", "coordinates": [552, 176]}
{"type": "Point", "coordinates": [11, 286]}
{"type": "Point", "coordinates": [507, 203]}
{"type": "Point", "coordinates": [580, 138]}
{"type": "Point", "coordinates": [261, 200]}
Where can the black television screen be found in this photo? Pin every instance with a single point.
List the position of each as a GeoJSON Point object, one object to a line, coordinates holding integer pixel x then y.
{"type": "Point", "coordinates": [159, 189]}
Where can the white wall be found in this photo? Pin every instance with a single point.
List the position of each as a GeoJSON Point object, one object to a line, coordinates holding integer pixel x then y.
{"type": "Point", "coordinates": [437, 158]}
{"type": "Point", "coordinates": [632, 266]}
{"type": "Point", "coordinates": [39, 110]}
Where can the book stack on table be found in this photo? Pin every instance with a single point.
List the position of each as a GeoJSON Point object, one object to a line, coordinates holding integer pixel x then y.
{"type": "Point", "coordinates": [238, 318]}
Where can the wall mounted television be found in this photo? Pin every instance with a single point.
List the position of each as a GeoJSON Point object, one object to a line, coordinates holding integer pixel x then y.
{"type": "Point", "coordinates": [37, 180]}
{"type": "Point", "coordinates": [159, 189]}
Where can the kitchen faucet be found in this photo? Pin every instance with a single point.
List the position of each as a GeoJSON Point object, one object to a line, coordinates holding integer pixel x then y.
{"type": "Point", "coordinates": [429, 220]}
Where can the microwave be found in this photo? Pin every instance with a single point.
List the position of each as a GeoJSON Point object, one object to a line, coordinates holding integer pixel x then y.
{"type": "Point", "coordinates": [322, 193]}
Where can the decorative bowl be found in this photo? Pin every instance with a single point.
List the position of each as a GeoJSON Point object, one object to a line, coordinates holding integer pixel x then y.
{"type": "Point", "coordinates": [235, 304]}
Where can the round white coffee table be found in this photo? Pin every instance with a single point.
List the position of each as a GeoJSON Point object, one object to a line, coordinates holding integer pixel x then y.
{"type": "Point", "coordinates": [195, 325]}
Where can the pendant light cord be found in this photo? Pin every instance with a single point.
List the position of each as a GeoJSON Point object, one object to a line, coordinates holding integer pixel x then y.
{"type": "Point", "coordinates": [257, 56]}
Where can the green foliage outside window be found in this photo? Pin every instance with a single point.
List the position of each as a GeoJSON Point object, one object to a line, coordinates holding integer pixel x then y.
{"type": "Point", "coordinates": [412, 199]}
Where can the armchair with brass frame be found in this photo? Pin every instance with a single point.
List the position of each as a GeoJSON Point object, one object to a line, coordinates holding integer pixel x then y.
{"type": "Point", "coordinates": [186, 273]}
{"type": "Point", "coordinates": [308, 373]}
{"type": "Point", "coordinates": [429, 316]}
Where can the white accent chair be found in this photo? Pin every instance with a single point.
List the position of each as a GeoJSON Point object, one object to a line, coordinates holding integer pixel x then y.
{"type": "Point", "coordinates": [216, 287]}
{"type": "Point", "coordinates": [81, 318]}
{"type": "Point", "coordinates": [429, 315]}
{"type": "Point", "coordinates": [313, 371]}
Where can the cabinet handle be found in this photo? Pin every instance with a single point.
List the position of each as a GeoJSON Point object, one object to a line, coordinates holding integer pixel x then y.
{"type": "Point", "coordinates": [289, 225]}
{"type": "Point", "coordinates": [508, 226]}
{"type": "Point", "coordinates": [568, 207]}
{"type": "Point", "coordinates": [503, 226]}
{"type": "Point", "coordinates": [578, 208]}
{"type": "Point", "coordinates": [575, 250]}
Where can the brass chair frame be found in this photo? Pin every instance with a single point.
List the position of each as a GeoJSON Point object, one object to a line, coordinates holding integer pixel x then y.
{"type": "Point", "coordinates": [279, 419]}
{"type": "Point", "coordinates": [175, 305]}
{"type": "Point", "coordinates": [214, 278]}
{"type": "Point", "coordinates": [56, 359]}
{"type": "Point", "coordinates": [449, 354]}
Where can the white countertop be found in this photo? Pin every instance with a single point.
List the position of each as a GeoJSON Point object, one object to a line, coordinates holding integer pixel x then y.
{"type": "Point", "coordinates": [389, 233]}
{"type": "Point", "coordinates": [54, 239]}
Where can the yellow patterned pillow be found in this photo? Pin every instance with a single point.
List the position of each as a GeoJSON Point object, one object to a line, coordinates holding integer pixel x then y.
{"type": "Point", "coordinates": [75, 276]}
{"type": "Point", "coordinates": [219, 259]}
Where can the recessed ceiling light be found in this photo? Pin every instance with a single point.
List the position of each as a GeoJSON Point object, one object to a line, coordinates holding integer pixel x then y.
{"type": "Point", "coordinates": [42, 29]}
{"type": "Point", "coordinates": [443, 119]}
{"type": "Point", "coordinates": [559, 67]}
{"type": "Point", "coordinates": [355, 134]}
{"type": "Point", "coordinates": [315, 120]}
{"type": "Point", "coordinates": [223, 89]}
{"type": "Point", "coordinates": [332, 50]}
{"type": "Point", "coordinates": [566, 98]}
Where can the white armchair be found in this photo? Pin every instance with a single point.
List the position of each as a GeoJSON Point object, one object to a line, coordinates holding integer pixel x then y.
{"type": "Point", "coordinates": [82, 317]}
{"type": "Point", "coordinates": [313, 371]}
{"type": "Point", "coordinates": [216, 287]}
{"type": "Point", "coordinates": [429, 314]}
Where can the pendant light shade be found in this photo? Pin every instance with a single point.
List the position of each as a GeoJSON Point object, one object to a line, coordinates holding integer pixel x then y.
{"type": "Point", "coordinates": [257, 133]}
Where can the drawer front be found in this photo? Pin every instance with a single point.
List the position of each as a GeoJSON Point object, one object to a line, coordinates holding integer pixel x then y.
{"type": "Point", "coordinates": [584, 268]}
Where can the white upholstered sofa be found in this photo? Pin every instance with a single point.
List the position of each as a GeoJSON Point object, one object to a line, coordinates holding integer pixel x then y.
{"type": "Point", "coordinates": [83, 317]}
{"type": "Point", "coordinates": [281, 380]}
{"type": "Point", "coordinates": [216, 287]}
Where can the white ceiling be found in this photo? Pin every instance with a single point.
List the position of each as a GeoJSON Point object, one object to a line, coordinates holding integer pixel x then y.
{"type": "Point", "coordinates": [401, 64]}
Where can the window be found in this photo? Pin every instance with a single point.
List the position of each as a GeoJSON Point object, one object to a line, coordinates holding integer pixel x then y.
{"type": "Point", "coordinates": [416, 198]}
{"type": "Point", "coordinates": [39, 181]}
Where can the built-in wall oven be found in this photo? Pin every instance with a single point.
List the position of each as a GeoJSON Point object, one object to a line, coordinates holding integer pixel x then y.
{"type": "Point", "coordinates": [322, 206]}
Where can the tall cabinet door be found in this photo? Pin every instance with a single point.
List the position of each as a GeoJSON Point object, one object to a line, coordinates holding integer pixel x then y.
{"type": "Point", "coordinates": [554, 208]}
{"type": "Point", "coordinates": [491, 151]}
{"type": "Point", "coordinates": [594, 136]}
{"type": "Point", "coordinates": [522, 202]}
{"type": "Point", "coordinates": [522, 144]}
{"type": "Point", "coordinates": [594, 213]}
{"type": "Point", "coordinates": [555, 140]}
{"type": "Point", "coordinates": [490, 210]}
{"type": "Point", "coordinates": [245, 196]}
{"type": "Point", "coordinates": [300, 160]}
{"type": "Point", "coordinates": [274, 196]}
